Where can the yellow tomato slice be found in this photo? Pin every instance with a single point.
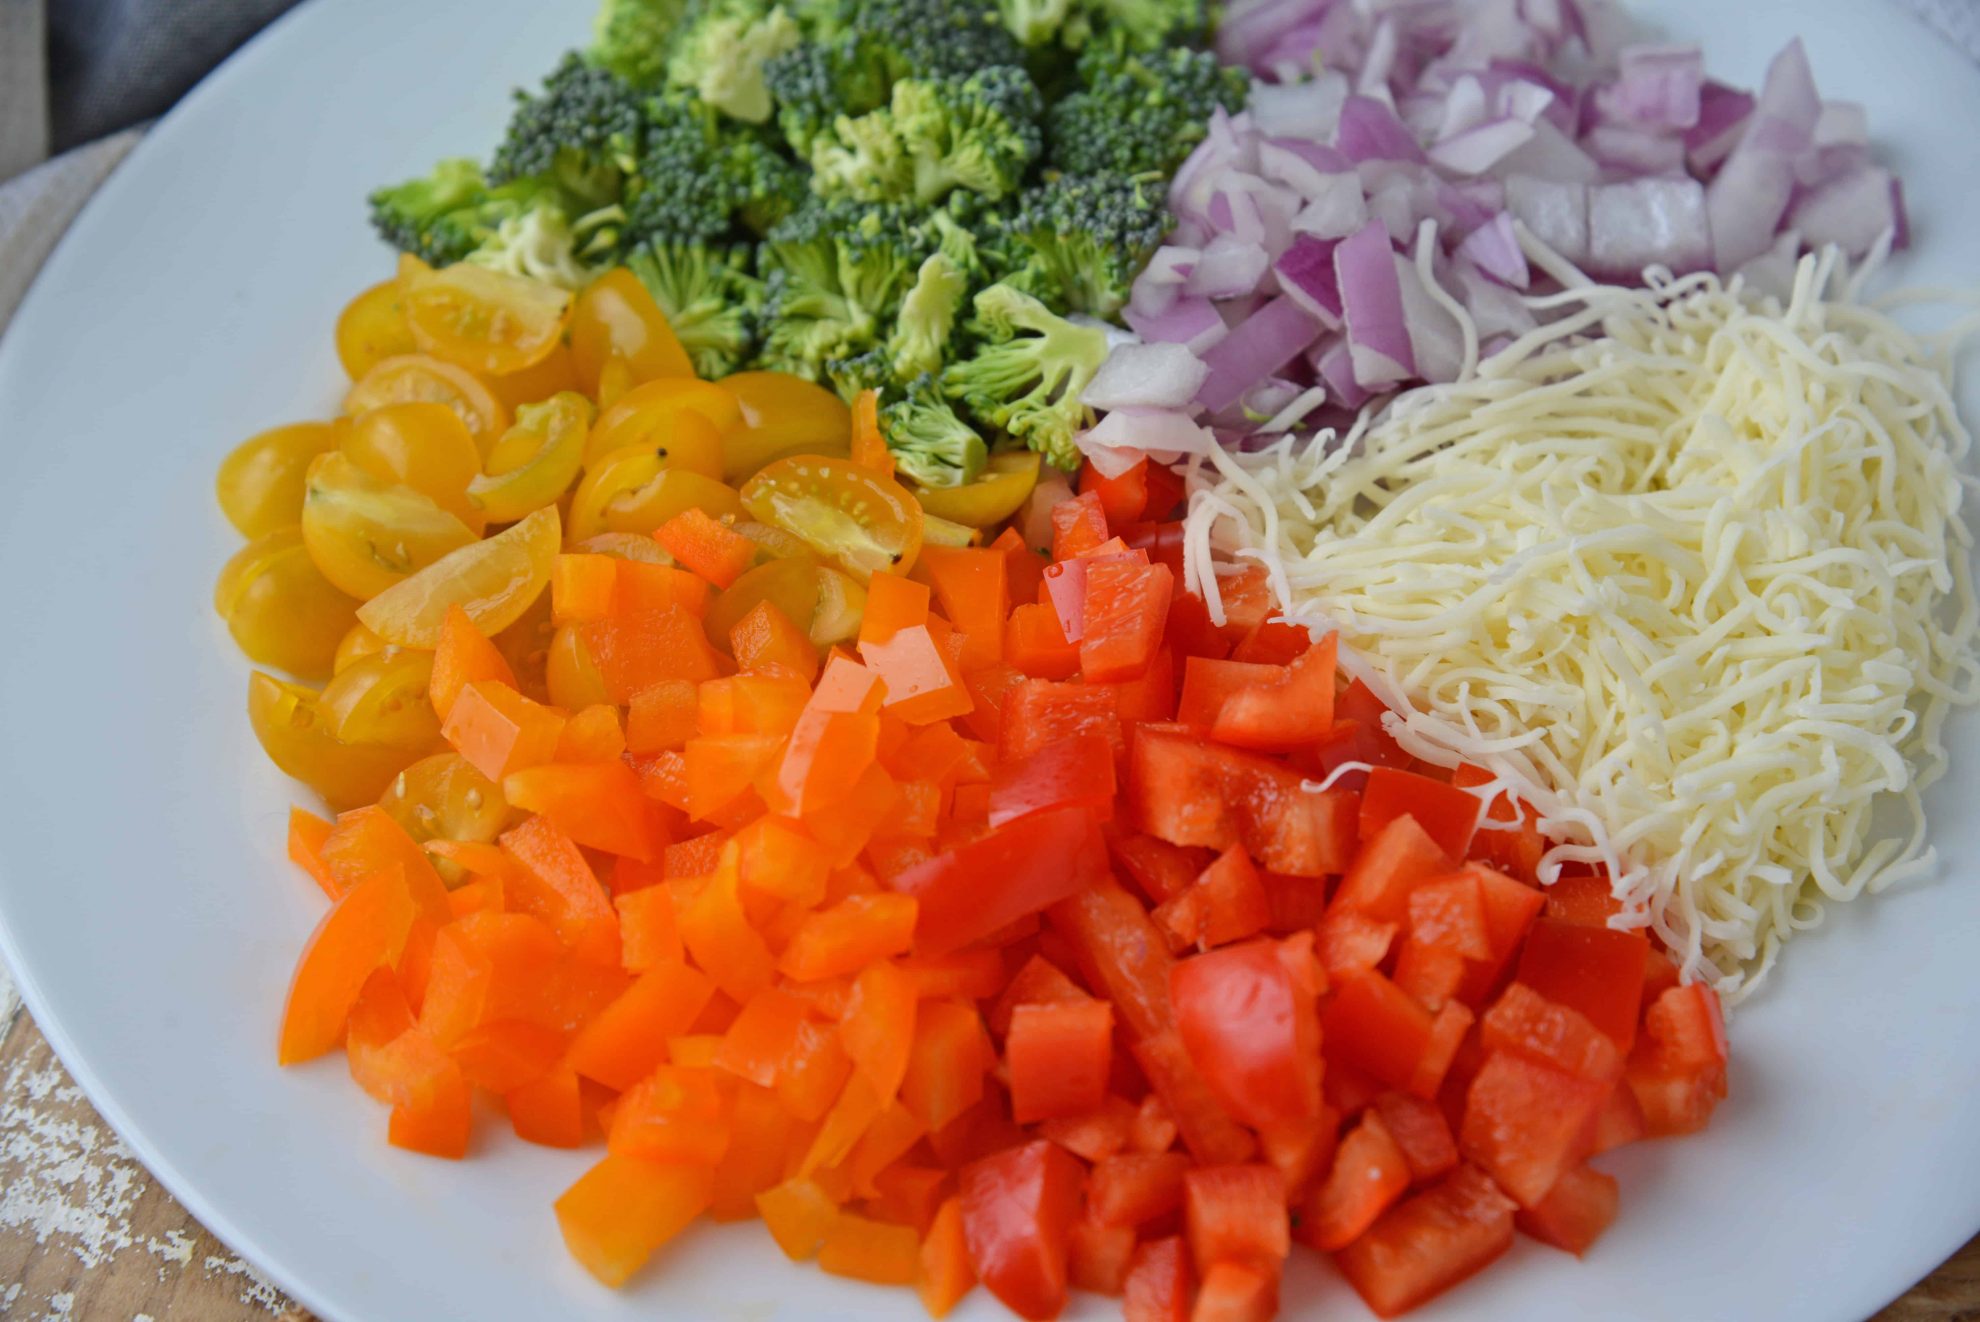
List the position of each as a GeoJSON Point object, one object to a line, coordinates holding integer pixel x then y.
{"type": "Point", "coordinates": [841, 606]}
{"type": "Point", "coordinates": [792, 586]}
{"type": "Point", "coordinates": [292, 732]}
{"type": "Point", "coordinates": [996, 494]}
{"type": "Point", "coordinates": [442, 797]}
{"type": "Point", "coordinates": [485, 320]}
{"type": "Point", "coordinates": [617, 319]}
{"type": "Point", "coordinates": [372, 328]}
{"type": "Point", "coordinates": [494, 581]}
{"type": "Point", "coordinates": [536, 460]}
{"type": "Point", "coordinates": [425, 446]}
{"type": "Point", "coordinates": [279, 607]}
{"type": "Point", "coordinates": [781, 415]}
{"type": "Point", "coordinates": [864, 523]}
{"type": "Point", "coordinates": [533, 385]}
{"type": "Point", "coordinates": [366, 535]}
{"type": "Point", "coordinates": [260, 485]}
{"type": "Point", "coordinates": [773, 543]}
{"type": "Point", "coordinates": [383, 700]}
{"type": "Point", "coordinates": [570, 675]}
{"type": "Point", "coordinates": [636, 491]}
{"type": "Point", "coordinates": [420, 377]}
{"type": "Point", "coordinates": [358, 644]}
{"type": "Point", "coordinates": [625, 546]}
{"type": "Point", "coordinates": [665, 417]}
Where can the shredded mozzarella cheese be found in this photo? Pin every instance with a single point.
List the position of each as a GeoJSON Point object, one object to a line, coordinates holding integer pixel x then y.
{"type": "Point", "coordinates": [1685, 569]}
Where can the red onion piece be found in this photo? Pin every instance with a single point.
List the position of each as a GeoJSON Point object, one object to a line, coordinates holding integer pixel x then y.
{"type": "Point", "coordinates": [1257, 347]}
{"type": "Point", "coordinates": [1371, 305]}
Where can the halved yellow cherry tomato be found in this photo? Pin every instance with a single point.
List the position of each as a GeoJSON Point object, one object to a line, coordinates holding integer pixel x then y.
{"type": "Point", "coordinates": [533, 385]}
{"type": "Point", "coordinates": [862, 522]}
{"type": "Point", "coordinates": [443, 797]}
{"type": "Point", "coordinates": [383, 700]}
{"type": "Point", "coordinates": [781, 415]}
{"type": "Point", "coordinates": [625, 546]}
{"type": "Point", "coordinates": [280, 608]}
{"type": "Point", "coordinates": [293, 734]}
{"type": "Point", "coordinates": [366, 535]}
{"type": "Point", "coordinates": [661, 416]}
{"type": "Point", "coordinates": [570, 675]}
{"type": "Point", "coordinates": [614, 381]}
{"type": "Point", "coordinates": [996, 494]}
{"type": "Point", "coordinates": [841, 606]}
{"type": "Point", "coordinates": [637, 491]}
{"type": "Point", "coordinates": [940, 532]}
{"type": "Point", "coordinates": [485, 320]}
{"type": "Point", "coordinates": [773, 543]}
{"type": "Point", "coordinates": [260, 485]}
{"type": "Point", "coordinates": [536, 460]}
{"type": "Point", "coordinates": [372, 328]}
{"type": "Point", "coordinates": [494, 581]}
{"type": "Point", "coordinates": [616, 318]}
{"type": "Point", "coordinates": [525, 645]}
{"type": "Point", "coordinates": [789, 585]}
{"type": "Point", "coordinates": [358, 644]}
{"type": "Point", "coordinates": [415, 377]}
{"type": "Point", "coordinates": [425, 446]}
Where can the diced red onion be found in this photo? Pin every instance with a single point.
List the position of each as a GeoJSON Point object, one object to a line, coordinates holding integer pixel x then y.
{"type": "Point", "coordinates": [1645, 222]}
{"type": "Point", "coordinates": [1557, 213]}
{"type": "Point", "coordinates": [1494, 248]}
{"type": "Point", "coordinates": [1851, 212]}
{"type": "Point", "coordinates": [1436, 344]}
{"type": "Point", "coordinates": [1723, 113]}
{"type": "Point", "coordinates": [1551, 154]}
{"type": "Point", "coordinates": [1257, 347]}
{"type": "Point", "coordinates": [1335, 367]}
{"type": "Point", "coordinates": [1161, 282]}
{"type": "Point", "coordinates": [1370, 131]}
{"type": "Point", "coordinates": [1156, 376]}
{"type": "Point", "coordinates": [1306, 275]}
{"type": "Point", "coordinates": [1635, 150]}
{"type": "Point", "coordinates": [1193, 323]}
{"type": "Point", "coordinates": [1304, 111]}
{"type": "Point", "coordinates": [1656, 87]}
{"type": "Point", "coordinates": [1371, 306]}
{"type": "Point", "coordinates": [1123, 438]}
{"type": "Point", "coordinates": [1479, 149]}
{"type": "Point", "coordinates": [1230, 266]}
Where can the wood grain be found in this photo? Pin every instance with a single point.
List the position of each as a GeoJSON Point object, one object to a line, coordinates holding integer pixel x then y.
{"type": "Point", "coordinates": [85, 1233]}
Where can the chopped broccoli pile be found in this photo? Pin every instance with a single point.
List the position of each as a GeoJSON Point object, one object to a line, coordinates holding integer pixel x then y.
{"type": "Point", "coordinates": [926, 198]}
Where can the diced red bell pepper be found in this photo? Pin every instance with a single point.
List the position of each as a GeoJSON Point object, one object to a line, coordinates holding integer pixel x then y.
{"type": "Point", "coordinates": [1451, 913]}
{"type": "Point", "coordinates": [1120, 953]}
{"type": "Point", "coordinates": [1227, 902]}
{"type": "Point", "coordinates": [1352, 942]}
{"type": "Point", "coordinates": [1123, 499]}
{"type": "Point", "coordinates": [1098, 1256]}
{"type": "Point", "coordinates": [1127, 605]}
{"type": "Point", "coordinates": [1688, 1028]}
{"type": "Point", "coordinates": [1236, 1292]}
{"type": "Point", "coordinates": [1018, 1210]}
{"type": "Point", "coordinates": [1058, 1056]}
{"type": "Point", "coordinates": [1252, 1029]}
{"type": "Point", "coordinates": [1159, 869]}
{"type": "Point", "coordinates": [1369, 1174]}
{"type": "Point", "coordinates": [1524, 1021]}
{"type": "Point", "coordinates": [1421, 1133]}
{"type": "Point", "coordinates": [1510, 908]}
{"type": "Point", "coordinates": [1077, 771]}
{"type": "Point", "coordinates": [1236, 1213]}
{"type": "Point", "coordinates": [1447, 814]}
{"type": "Point", "coordinates": [1584, 898]}
{"type": "Point", "coordinates": [1575, 1212]}
{"type": "Point", "coordinates": [1029, 865]}
{"type": "Point", "coordinates": [1191, 793]}
{"type": "Point", "coordinates": [1158, 1283]}
{"type": "Point", "coordinates": [1447, 1036]}
{"type": "Point", "coordinates": [1619, 1123]}
{"type": "Point", "coordinates": [1516, 847]}
{"type": "Point", "coordinates": [1207, 1130]}
{"type": "Point", "coordinates": [1430, 974]}
{"type": "Point", "coordinates": [1097, 1133]}
{"type": "Point", "coordinates": [1296, 710]}
{"type": "Point", "coordinates": [1678, 1070]}
{"type": "Point", "coordinates": [1430, 1242]}
{"type": "Point", "coordinates": [1376, 745]}
{"type": "Point", "coordinates": [1038, 712]}
{"type": "Point", "coordinates": [1039, 982]}
{"type": "Point", "coordinates": [1374, 1025]}
{"type": "Point", "coordinates": [1523, 1122]}
{"type": "Point", "coordinates": [1395, 861]}
{"type": "Point", "coordinates": [1208, 684]}
{"type": "Point", "coordinates": [1035, 643]}
{"type": "Point", "coordinates": [1133, 1188]}
{"type": "Point", "coordinates": [1594, 970]}
{"type": "Point", "coordinates": [1078, 525]}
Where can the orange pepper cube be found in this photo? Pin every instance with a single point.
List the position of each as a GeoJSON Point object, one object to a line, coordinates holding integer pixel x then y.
{"type": "Point", "coordinates": [923, 683]}
{"type": "Point", "coordinates": [581, 587]}
{"type": "Point", "coordinates": [640, 587]}
{"type": "Point", "coordinates": [716, 552]}
{"type": "Point", "coordinates": [775, 857]}
{"type": "Point", "coordinates": [499, 731]}
{"type": "Point", "coordinates": [623, 1209]}
{"type": "Point", "coordinates": [662, 718]}
{"type": "Point", "coordinates": [849, 936]}
{"type": "Point", "coordinates": [676, 1113]}
{"type": "Point", "coordinates": [766, 639]}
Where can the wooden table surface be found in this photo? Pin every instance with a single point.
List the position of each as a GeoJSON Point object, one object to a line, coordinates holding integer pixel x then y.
{"type": "Point", "coordinates": [86, 1234]}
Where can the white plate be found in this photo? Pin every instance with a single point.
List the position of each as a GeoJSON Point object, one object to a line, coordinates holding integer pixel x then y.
{"type": "Point", "coordinates": [152, 920]}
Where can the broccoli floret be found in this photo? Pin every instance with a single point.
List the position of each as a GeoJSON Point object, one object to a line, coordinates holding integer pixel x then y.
{"type": "Point", "coordinates": [918, 38]}
{"type": "Point", "coordinates": [582, 130]}
{"type": "Point", "coordinates": [699, 173]}
{"type": "Point", "coordinates": [1078, 243]}
{"type": "Point", "coordinates": [928, 441]}
{"type": "Point", "coordinates": [851, 377]}
{"type": "Point", "coordinates": [721, 50]}
{"type": "Point", "coordinates": [978, 132]}
{"type": "Point", "coordinates": [920, 337]}
{"type": "Point", "coordinates": [1150, 25]}
{"type": "Point", "coordinates": [434, 217]}
{"type": "Point", "coordinates": [1028, 375]}
{"type": "Point", "coordinates": [632, 38]}
{"type": "Point", "coordinates": [1036, 23]}
{"type": "Point", "coordinates": [710, 296]}
{"type": "Point", "coordinates": [862, 158]}
{"type": "Point", "coordinates": [835, 274]}
{"type": "Point", "coordinates": [815, 84]}
{"type": "Point", "coordinates": [534, 239]}
{"type": "Point", "coordinates": [1135, 113]}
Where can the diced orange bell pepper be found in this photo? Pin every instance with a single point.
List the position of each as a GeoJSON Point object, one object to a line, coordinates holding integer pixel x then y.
{"type": "Point", "coordinates": [1035, 643]}
{"type": "Point", "coordinates": [766, 639]}
{"type": "Point", "coordinates": [648, 933]}
{"type": "Point", "coordinates": [624, 1041]}
{"type": "Point", "coordinates": [850, 935]}
{"type": "Point", "coordinates": [581, 587]}
{"type": "Point", "coordinates": [814, 1073]}
{"type": "Point", "coordinates": [719, 936]}
{"type": "Point", "coordinates": [716, 552]}
{"type": "Point", "coordinates": [946, 1272]}
{"type": "Point", "coordinates": [487, 968]}
{"type": "Point", "coordinates": [435, 1111]}
{"type": "Point", "coordinates": [366, 841]}
{"type": "Point", "coordinates": [624, 1209]}
{"type": "Point", "coordinates": [307, 832]}
{"type": "Point", "coordinates": [639, 587]}
{"type": "Point", "coordinates": [878, 1027]}
{"type": "Point", "coordinates": [857, 1107]}
{"type": "Point", "coordinates": [502, 1057]}
{"type": "Point", "coordinates": [798, 1214]}
{"type": "Point", "coordinates": [499, 731]}
{"type": "Point", "coordinates": [751, 704]}
{"type": "Point", "coordinates": [635, 651]}
{"type": "Point", "coordinates": [762, 1037]}
{"type": "Point", "coordinates": [548, 1111]}
{"type": "Point", "coordinates": [364, 930]}
{"type": "Point", "coordinates": [695, 857]}
{"type": "Point", "coordinates": [595, 734]}
{"type": "Point", "coordinates": [972, 584]}
{"type": "Point", "coordinates": [662, 717]}
{"type": "Point", "coordinates": [947, 1064]}
{"type": "Point", "coordinates": [886, 1141]}
{"type": "Point", "coordinates": [597, 804]}
{"type": "Point", "coordinates": [464, 656]}
{"type": "Point", "coordinates": [869, 442]}
{"type": "Point", "coordinates": [676, 1113]}
{"type": "Point", "coordinates": [871, 1251]}
{"type": "Point", "coordinates": [556, 884]}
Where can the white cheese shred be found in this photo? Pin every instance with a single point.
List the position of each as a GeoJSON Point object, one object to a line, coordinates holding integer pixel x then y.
{"type": "Point", "coordinates": [1684, 569]}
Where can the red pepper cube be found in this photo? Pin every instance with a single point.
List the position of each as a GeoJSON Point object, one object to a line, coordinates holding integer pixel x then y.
{"type": "Point", "coordinates": [1058, 1055]}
